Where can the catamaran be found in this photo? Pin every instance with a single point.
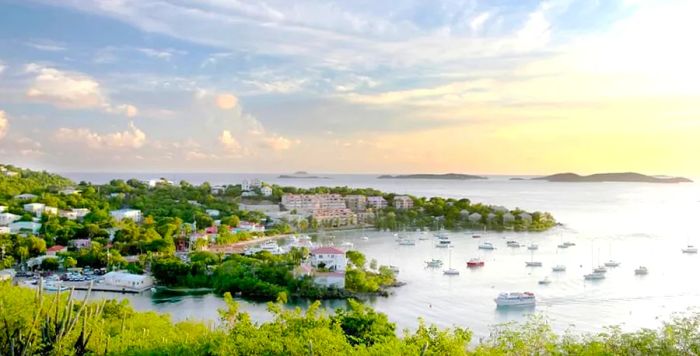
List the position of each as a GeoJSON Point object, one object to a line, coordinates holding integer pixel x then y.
{"type": "Point", "coordinates": [515, 299]}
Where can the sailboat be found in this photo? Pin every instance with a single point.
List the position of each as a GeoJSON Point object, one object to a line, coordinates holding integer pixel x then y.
{"type": "Point", "coordinates": [690, 248]}
{"type": "Point", "coordinates": [451, 271]}
{"type": "Point", "coordinates": [533, 263]}
{"type": "Point", "coordinates": [611, 262]}
{"type": "Point", "coordinates": [559, 267]}
{"type": "Point", "coordinates": [364, 236]}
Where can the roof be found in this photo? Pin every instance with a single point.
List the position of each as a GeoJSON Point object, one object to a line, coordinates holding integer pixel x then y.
{"type": "Point", "coordinates": [55, 248]}
{"type": "Point", "coordinates": [327, 250]}
{"type": "Point", "coordinates": [125, 276]}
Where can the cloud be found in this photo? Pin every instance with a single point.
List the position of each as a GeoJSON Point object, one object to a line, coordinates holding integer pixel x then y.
{"type": "Point", "coordinates": [3, 124]}
{"type": "Point", "coordinates": [164, 54]}
{"type": "Point", "coordinates": [45, 45]}
{"type": "Point", "coordinates": [125, 109]}
{"type": "Point", "coordinates": [2, 67]}
{"type": "Point", "coordinates": [226, 101]}
{"type": "Point", "coordinates": [128, 139]}
{"type": "Point", "coordinates": [277, 143]}
{"type": "Point", "coordinates": [229, 142]}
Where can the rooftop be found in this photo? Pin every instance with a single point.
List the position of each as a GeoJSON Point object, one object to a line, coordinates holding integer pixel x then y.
{"type": "Point", "coordinates": [327, 250]}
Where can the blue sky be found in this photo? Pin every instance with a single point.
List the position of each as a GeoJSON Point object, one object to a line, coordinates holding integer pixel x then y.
{"type": "Point", "coordinates": [333, 86]}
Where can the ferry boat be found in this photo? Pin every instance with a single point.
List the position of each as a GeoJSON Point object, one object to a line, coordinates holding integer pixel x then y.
{"type": "Point", "coordinates": [559, 268]}
{"type": "Point", "coordinates": [515, 299]}
{"type": "Point", "coordinates": [594, 276]}
{"type": "Point", "coordinates": [486, 246]}
{"type": "Point", "coordinates": [475, 262]}
{"type": "Point", "coordinates": [690, 249]}
{"type": "Point", "coordinates": [612, 263]}
{"type": "Point", "coordinates": [641, 271]}
{"type": "Point", "coordinates": [434, 263]}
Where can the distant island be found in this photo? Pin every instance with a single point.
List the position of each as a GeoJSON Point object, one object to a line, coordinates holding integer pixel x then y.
{"type": "Point", "coordinates": [612, 177]}
{"type": "Point", "coordinates": [517, 178]}
{"type": "Point", "coordinates": [301, 174]}
{"type": "Point", "coordinates": [451, 176]}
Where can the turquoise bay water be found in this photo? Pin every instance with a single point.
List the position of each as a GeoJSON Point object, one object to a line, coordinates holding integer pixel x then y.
{"type": "Point", "coordinates": [634, 223]}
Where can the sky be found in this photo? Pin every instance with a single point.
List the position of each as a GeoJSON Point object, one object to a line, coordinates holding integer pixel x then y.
{"type": "Point", "coordinates": [363, 86]}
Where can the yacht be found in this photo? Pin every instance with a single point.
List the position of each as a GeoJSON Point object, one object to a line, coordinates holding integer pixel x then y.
{"type": "Point", "coordinates": [434, 263]}
{"type": "Point", "coordinates": [443, 243]}
{"type": "Point", "coordinates": [407, 242]}
{"type": "Point", "coordinates": [511, 243]}
{"type": "Point", "coordinates": [612, 263]}
{"type": "Point", "coordinates": [271, 247]}
{"type": "Point", "coordinates": [486, 246]}
{"type": "Point", "coordinates": [641, 271]}
{"type": "Point", "coordinates": [690, 249]}
{"type": "Point", "coordinates": [423, 236]}
{"type": "Point", "coordinates": [533, 247]}
{"type": "Point", "coordinates": [533, 264]}
{"type": "Point", "coordinates": [475, 262]}
{"type": "Point", "coordinates": [545, 281]}
{"type": "Point", "coordinates": [594, 276]}
{"type": "Point", "coordinates": [515, 299]}
{"type": "Point", "coordinates": [600, 269]}
{"type": "Point", "coordinates": [559, 268]}
{"type": "Point", "coordinates": [442, 235]}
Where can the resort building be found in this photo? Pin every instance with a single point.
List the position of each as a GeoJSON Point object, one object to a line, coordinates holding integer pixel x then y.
{"type": "Point", "coordinates": [25, 226]}
{"type": "Point", "coordinates": [311, 202]}
{"type": "Point", "coordinates": [334, 217]}
{"type": "Point", "coordinates": [403, 202]}
{"type": "Point", "coordinates": [53, 250]}
{"type": "Point", "coordinates": [128, 280]}
{"type": "Point", "coordinates": [122, 214]}
{"type": "Point", "coordinates": [266, 191]}
{"type": "Point", "coordinates": [377, 202]}
{"type": "Point", "coordinates": [330, 258]}
{"type": "Point", "coordinates": [356, 203]}
{"type": "Point", "coordinates": [8, 218]}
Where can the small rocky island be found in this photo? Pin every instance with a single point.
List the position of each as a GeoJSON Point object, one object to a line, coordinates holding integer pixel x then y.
{"type": "Point", "coordinates": [301, 174]}
{"type": "Point", "coordinates": [612, 177]}
{"type": "Point", "coordinates": [450, 176]}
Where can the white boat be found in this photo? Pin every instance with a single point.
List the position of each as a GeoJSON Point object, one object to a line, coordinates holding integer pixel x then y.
{"type": "Point", "coordinates": [559, 268]}
{"type": "Point", "coordinates": [364, 238]}
{"type": "Point", "coordinates": [600, 269]}
{"type": "Point", "coordinates": [511, 243]}
{"type": "Point", "coordinates": [443, 243]}
{"type": "Point", "coordinates": [569, 244]}
{"type": "Point", "coordinates": [641, 271]}
{"type": "Point", "coordinates": [434, 263]}
{"type": "Point", "coordinates": [563, 246]}
{"type": "Point", "coordinates": [442, 235]}
{"type": "Point", "coordinates": [612, 263]}
{"type": "Point", "coordinates": [544, 281]}
{"type": "Point", "coordinates": [594, 276]}
{"type": "Point", "coordinates": [486, 246]}
{"type": "Point", "coordinates": [533, 247]}
{"type": "Point", "coordinates": [476, 236]}
{"type": "Point", "coordinates": [450, 271]}
{"type": "Point", "coordinates": [271, 247]}
{"type": "Point", "coordinates": [690, 249]}
{"type": "Point", "coordinates": [407, 242]}
{"type": "Point", "coordinates": [423, 237]}
{"type": "Point", "coordinates": [533, 264]}
{"type": "Point", "coordinates": [347, 244]}
{"type": "Point", "coordinates": [54, 286]}
{"type": "Point", "coordinates": [515, 299]}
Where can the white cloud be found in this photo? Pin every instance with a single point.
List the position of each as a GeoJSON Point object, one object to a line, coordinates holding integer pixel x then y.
{"type": "Point", "coordinates": [226, 101]}
{"type": "Point", "coordinates": [229, 142]}
{"type": "Point", "coordinates": [2, 67]}
{"type": "Point", "coordinates": [45, 45]}
{"type": "Point", "coordinates": [277, 143]}
{"type": "Point", "coordinates": [3, 124]}
{"type": "Point", "coordinates": [65, 89]}
{"type": "Point", "coordinates": [125, 109]}
{"type": "Point", "coordinates": [164, 54]}
{"type": "Point", "coordinates": [477, 23]}
{"type": "Point", "coordinates": [131, 138]}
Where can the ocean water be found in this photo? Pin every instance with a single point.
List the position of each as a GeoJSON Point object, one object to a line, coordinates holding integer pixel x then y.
{"type": "Point", "coordinates": [633, 223]}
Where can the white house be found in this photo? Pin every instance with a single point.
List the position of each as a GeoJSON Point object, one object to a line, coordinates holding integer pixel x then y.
{"type": "Point", "coordinates": [8, 218]}
{"type": "Point", "coordinates": [218, 189]}
{"type": "Point", "coordinates": [22, 226]}
{"type": "Point", "coordinates": [68, 214]}
{"type": "Point", "coordinates": [81, 212]}
{"type": "Point", "coordinates": [80, 243]}
{"type": "Point", "coordinates": [69, 191]}
{"type": "Point", "coordinates": [266, 191]}
{"type": "Point", "coordinates": [25, 196]}
{"type": "Point", "coordinates": [152, 183]}
{"type": "Point", "coordinates": [475, 217]}
{"type": "Point", "coordinates": [329, 257]}
{"type": "Point", "coordinates": [250, 226]}
{"type": "Point", "coordinates": [213, 212]}
{"type": "Point", "coordinates": [34, 208]}
{"type": "Point", "coordinates": [122, 214]}
{"type": "Point", "coordinates": [4, 230]}
{"type": "Point", "coordinates": [128, 280]}
{"type": "Point", "coordinates": [250, 184]}
{"type": "Point", "coordinates": [50, 210]}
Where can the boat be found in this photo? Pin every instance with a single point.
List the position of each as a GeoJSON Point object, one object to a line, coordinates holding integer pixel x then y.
{"type": "Point", "coordinates": [569, 244]}
{"type": "Point", "coordinates": [443, 243]}
{"type": "Point", "coordinates": [450, 271]}
{"type": "Point", "coordinates": [641, 271]}
{"type": "Point", "coordinates": [690, 249]}
{"type": "Point", "coordinates": [594, 276]}
{"type": "Point", "coordinates": [271, 247]}
{"type": "Point", "coordinates": [442, 235]}
{"type": "Point", "coordinates": [544, 281]}
{"type": "Point", "coordinates": [423, 236]}
{"type": "Point", "coordinates": [407, 242]}
{"type": "Point", "coordinates": [533, 263]}
{"type": "Point", "coordinates": [559, 268]}
{"type": "Point", "coordinates": [434, 263]}
{"type": "Point", "coordinates": [533, 247]}
{"type": "Point", "coordinates": [476, 236]}
{"type": "Point", "coordinates": [347, 244]}
{"type": "Point", "coordinates": [563, 246]}
{"type": "Point", "coordinates": [511, 243]}
{"type": "Point", "coordinates": [53, 287]}
{"type": "Point", "coordinates": [612, 263]}
{"type": "Point", "coordinates": [515, 299]}
{"type": "Point", "coordinates": [486, 246]}
{"type": "Point", "coordinates": [600, 269]}
{"type": "Point", "coordinates": [364, 238]}
{"type": "Point", "coordinates": [475, 262]}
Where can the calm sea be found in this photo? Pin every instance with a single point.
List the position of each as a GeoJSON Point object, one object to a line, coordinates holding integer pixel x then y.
{"type": "Point", "coordinates": [633, 223]}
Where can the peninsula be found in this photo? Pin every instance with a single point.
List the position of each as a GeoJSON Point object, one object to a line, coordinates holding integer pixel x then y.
{"type": "Point", "coordinates": [612, 177]}
{"type": "Point", "coordinates": [450, 176]}
{"type": "Point", "coordinates": [301, 174]}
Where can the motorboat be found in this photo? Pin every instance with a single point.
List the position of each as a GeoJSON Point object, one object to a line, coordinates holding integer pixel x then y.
{"type": "Point", "coordinates": [641, 271]}
{"type": "Point", "coordinates": [53, 286]}
{"type": "Point", "coordinates": [532, 247]}
{"type": "Point", "coordinates": [407, 242]}
{"type": "Point", "coordinates": [612, 263]}
{"type": "Point", "coordinates": [511, 243]}
{"type": "Point", "coordinates": [600, 269]}
{"type": "Point", "coordinates": [443, 243]}
{"type": "Point", "coordinates": [563, 246]}
{"type": "Point", "coordinates": [442, 235]}
{"type": "Point", "coordinates": [451, 272]}
{"type": "Point", "coordinates": [434, 263]}
{"type": "Point", "coordinates": [515, 299]}
{"type": "Point", "coordinates": [486, 246]}
{"type": "Point", "coordinates": [544, 281]}
{"type": "Point", "coordinates": [476, 236]}
{"type": "Point", "coordinates": [347, 244]}
{"type": "Point", "coordinates": [475, 262]}
{"type": "Point", "coordinates": [364, 238]}
{"type": "Point", "coordinates": [690, 249]}
{"type": "Point", "coordinates": [559, 268]}
{"type": "Point", "coordinates": [594, 276]}
{"type": "Point", "coordinates": [533, 264]}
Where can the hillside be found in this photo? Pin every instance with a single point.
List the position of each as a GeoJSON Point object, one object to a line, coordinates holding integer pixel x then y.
{"type": "Point", "coordinates": [14, 181]}
{"type": "Point", "coordinates": [612, 177]}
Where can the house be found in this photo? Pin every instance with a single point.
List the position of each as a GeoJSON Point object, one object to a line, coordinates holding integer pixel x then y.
{"type": "Point", "coordinates": [377, 202]}
{"type": "Point", "coordinates": [525, 218]}
{"type": "Point", "coordinates": [4, 230]}
{"type": "Point", "coordinates": [250, 184]}
{"type": "Point", "coordinates": [475, 217]}
{"type": "Point", "coordinates": [81, 212]}
{"type": "Point", "coordinates": [25, 226]}
{"type": "Point", "coordinates": [8, 218]}
{"type": "Point", "coordinates": [50, 210]}
{"type": "Point", "coordinates": [356, 203]}
{"type": "Point", "coordinates": [128, 280]}
{"type": "Point", "coordinates": [403, 202]}
{"type": "Point", "coordinates": [250, 227]}
{"type": "Point", "coordinates": [68, 214]}
{"type": "Point", "coordinates": [328, 257]}
{"type": "Point", "coordinates": [122, 214]}
{"type": "Point", "coordinates": [500, 209]}
{"type": "Point", "coordinates": [80, 243]}
{"type": "Point", "coordinates": [53, 250]}
{"type": "Point", "coordinates": [508, 218]}
{"type": "Point", "coordinates": [266, 191]}
{"type": "Point", "coordinates": [194, 203]}
{"type": "Point", "coordinates": [25, 196]}
{"type": "Point", "coordinates": [152, 183]}
{"type": "Point", "coordinates": [213, 212]}
{"type": "Point", "coordinates": [34, 208]}
{"type": "Point", "coordinates": [491, 217]}
{"type": "Point", "coordinates": [10, 173]}
{"type": "Point", "coordinates": [68, 191]}
{"type": "Point", "coordinates": [218, 189]}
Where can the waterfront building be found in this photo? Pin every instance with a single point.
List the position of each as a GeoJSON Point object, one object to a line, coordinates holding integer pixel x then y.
{"type": "Point", "coordinates": [308, 203]}
{"type": "Point", "coordinates": [356, 203]}
{"type": "Point", "coordinates": [377, 202]}
{"type": "Point", "coordinates": [122, 214]}
{"type": "Point", "coordinates": [335, 217]}
{"type": "Point", "coordinates": [330, 258]}
{"type": "Point", "coordinates": [403, 202]}
{"type": "Point", "coordinates": [128, 280]}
